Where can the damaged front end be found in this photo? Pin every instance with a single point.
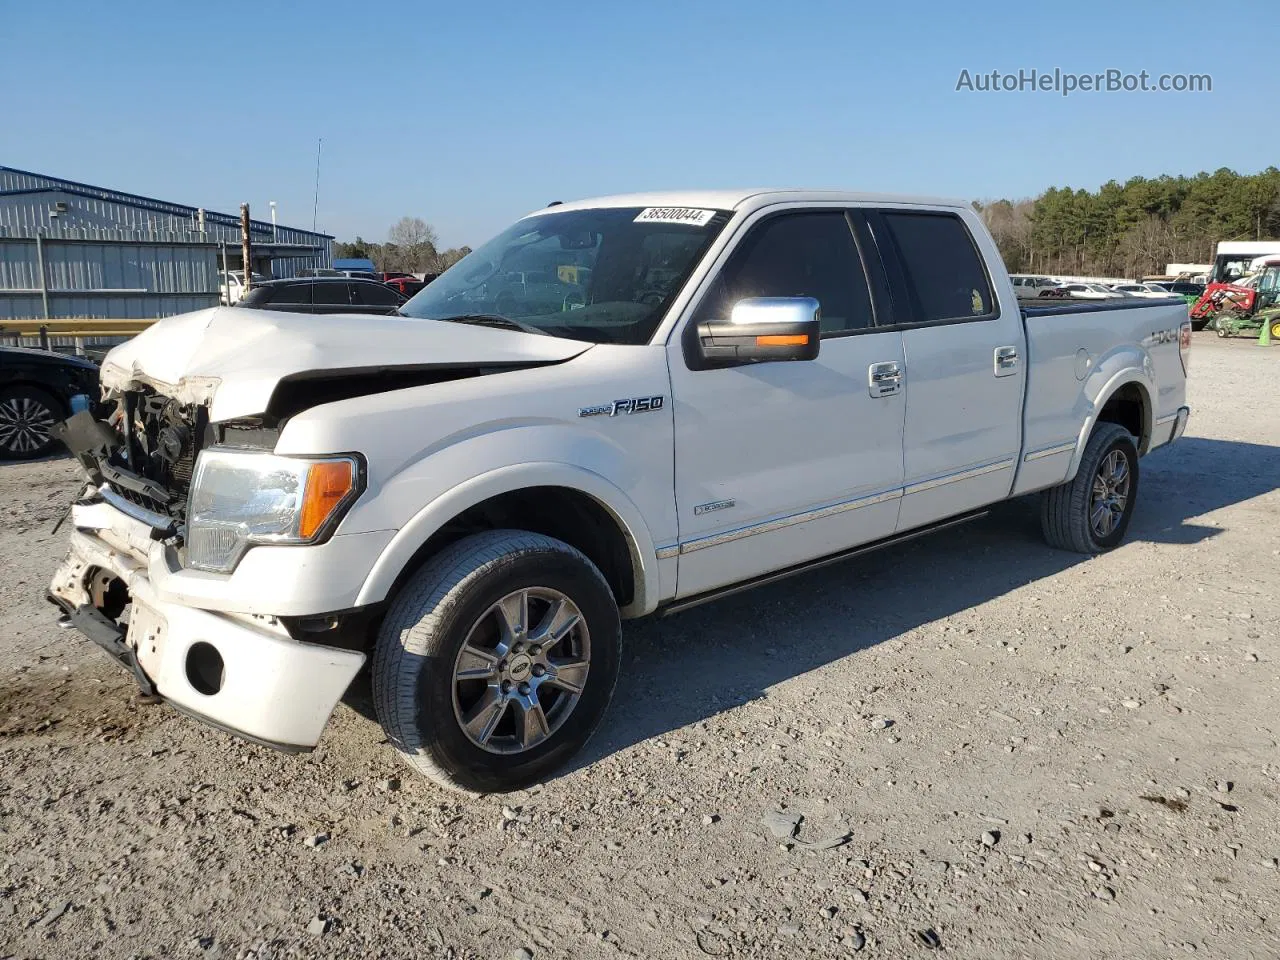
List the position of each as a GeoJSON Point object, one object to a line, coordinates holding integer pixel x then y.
{"type": "Point", "coordinates": [185, 635]}
{"type": "Point", "coordinates": [141, 459]}
{"type": "Point", "coordinates": [138, 460]}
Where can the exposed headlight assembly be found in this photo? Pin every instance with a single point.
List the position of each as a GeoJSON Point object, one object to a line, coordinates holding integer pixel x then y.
{"type": "Point", "coordinates": [242, 498]}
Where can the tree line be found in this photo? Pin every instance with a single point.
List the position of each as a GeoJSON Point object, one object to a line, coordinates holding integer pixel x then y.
{"type": "Point", "coordinates": [412, 247]}
{"type": "Point", "coordinates": [1134, 228]}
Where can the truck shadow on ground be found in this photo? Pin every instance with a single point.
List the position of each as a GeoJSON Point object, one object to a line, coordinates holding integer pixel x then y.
{"type": "Point", "coordinates": [691, 666]}
{"type": "Point", "coordinates": [694, 665]}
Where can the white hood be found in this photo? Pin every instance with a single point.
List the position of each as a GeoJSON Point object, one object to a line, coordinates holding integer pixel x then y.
{"type": "Point", "coordinates": [232, 358]}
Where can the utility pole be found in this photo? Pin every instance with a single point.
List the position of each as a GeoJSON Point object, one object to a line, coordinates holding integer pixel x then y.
{"type": "Point", "coordinates": [246, 250]}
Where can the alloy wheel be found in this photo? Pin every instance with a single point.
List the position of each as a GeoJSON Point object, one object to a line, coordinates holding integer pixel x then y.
{"type": "Point", "coordinates": [26, 424]}
{"type": "Point", "coordinates": [521, 670]}
{"type": "Point", "coordinates": [1110, 495]}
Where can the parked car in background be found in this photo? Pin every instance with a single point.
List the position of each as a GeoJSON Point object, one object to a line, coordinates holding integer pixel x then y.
{"type": "Point", "coordinates": [323, 295]}
{"type": "Point", "coordinates": [1190, 292]}
{"type": "Point", "coordinates": [232, 284]}
{"type": "Point", "coordinates": [1032, 288]}
{"type": "Point", "coordinates": [39, 388]}
{"type": "Point", "coordinates": [1147, 291]}
{"type": "Point", "coordinates": [408, 285]}
{"type": "Point", "coordinates": [1090, 291]}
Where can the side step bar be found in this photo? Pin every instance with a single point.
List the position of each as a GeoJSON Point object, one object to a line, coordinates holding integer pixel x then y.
{"type": "Point", "coordinates": [677, 606]}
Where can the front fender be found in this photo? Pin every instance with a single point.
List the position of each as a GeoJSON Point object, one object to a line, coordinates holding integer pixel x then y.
{"type": "Point", "coordinates": [410, 538]}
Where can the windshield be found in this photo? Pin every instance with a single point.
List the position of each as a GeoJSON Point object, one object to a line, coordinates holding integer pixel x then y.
{"type": "Point", "coordinates": [605, 275]}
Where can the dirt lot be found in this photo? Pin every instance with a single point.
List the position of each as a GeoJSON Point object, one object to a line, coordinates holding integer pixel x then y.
{"type": "Point", "coordinates": [1108, 727]}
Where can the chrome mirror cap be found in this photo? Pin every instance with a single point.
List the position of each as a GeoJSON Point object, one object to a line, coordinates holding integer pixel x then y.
{"type": "Point", "coordinates": [754, 310]}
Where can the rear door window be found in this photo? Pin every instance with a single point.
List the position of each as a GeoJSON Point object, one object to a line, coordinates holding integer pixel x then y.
{"type": "Point", "coordinates": [944, 273]}
{"type": "Point", "coordinates": [292, 294]}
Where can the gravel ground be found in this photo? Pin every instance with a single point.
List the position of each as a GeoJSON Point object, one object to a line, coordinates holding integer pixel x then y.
{"type": "Point", "coordinates": [1032, 755]}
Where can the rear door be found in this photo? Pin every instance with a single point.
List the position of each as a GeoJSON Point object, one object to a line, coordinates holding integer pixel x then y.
{"type": "Point", "coordinates": [965, 360]}
{"type": "Point", "coordinates": [780, 463]}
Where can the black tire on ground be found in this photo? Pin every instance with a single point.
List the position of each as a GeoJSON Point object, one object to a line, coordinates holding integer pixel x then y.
{"type": "Point", "coordinates": [1065, 510]}
{"type": "Point", "coordinates": [1199, 324]}
{"type": "Point", "coordinates": [1222, 331]}
{"type": "Point", "coordinates": [451, 602]}
{"type": "Point", "coordinates": [26, 415]}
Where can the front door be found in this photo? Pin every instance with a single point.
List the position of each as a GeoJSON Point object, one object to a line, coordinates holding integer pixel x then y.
{"type": "Point", "coordinates": [783, 462]}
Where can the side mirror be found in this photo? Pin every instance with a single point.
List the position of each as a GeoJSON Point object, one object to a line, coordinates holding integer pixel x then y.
{"type": "Point", "coordinates": [759, 329]}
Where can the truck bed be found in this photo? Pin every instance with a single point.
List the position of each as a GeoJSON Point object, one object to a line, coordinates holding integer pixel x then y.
{"type": "Point", "coordinates": [1076, 350]}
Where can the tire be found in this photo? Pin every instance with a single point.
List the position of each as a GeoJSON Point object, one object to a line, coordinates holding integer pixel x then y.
{"type": "Point", "coordinates": [1199, 324]}
{"type": "Point", "coordinates": [1275, 329]}
{"type": "Point", "coordinates": [1066, 511]}
{"type": "Point", "coordinates": [27, 414]}
{"type": "Point", "coordinates": [464, 598]}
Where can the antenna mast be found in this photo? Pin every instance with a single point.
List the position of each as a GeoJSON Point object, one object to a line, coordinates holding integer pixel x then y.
{"type": "Point", "coordinates": [316, 208]}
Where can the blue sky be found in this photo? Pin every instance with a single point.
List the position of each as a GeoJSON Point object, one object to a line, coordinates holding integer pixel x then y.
{"type": "Point", "coordinates": [470, 114]}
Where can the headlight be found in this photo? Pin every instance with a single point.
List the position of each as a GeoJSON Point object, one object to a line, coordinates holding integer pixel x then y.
{"type": "Point", "coordinates": [239, 499]}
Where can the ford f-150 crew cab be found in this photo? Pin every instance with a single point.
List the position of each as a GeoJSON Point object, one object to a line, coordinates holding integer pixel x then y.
{"type": "Point", "coordinates": [615, 408]}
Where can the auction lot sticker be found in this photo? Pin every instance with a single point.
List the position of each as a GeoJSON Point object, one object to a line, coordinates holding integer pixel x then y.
{"type": "Point", "coordinates": [685, 215]}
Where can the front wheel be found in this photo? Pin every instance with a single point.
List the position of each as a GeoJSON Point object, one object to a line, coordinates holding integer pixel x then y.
{"type": "Point", "coordinates": [497, 660]}
{"type": "Point", "coordinates": [1091, 512]}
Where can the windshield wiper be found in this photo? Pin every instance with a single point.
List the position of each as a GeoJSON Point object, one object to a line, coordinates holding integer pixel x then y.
{"type": "Point", "coordinates": [494, 320]}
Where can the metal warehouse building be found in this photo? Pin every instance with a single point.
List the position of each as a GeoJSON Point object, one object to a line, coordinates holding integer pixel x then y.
{"type": "Point", "coordinates": [72, 250]}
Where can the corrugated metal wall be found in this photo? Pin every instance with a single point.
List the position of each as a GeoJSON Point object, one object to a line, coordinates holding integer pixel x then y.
{"type": "Point", "coordinates": [76, 307]}
{"type": "Point", "coordinates": [113, 254]}
{"type": "Point", "coordinates": [152, 267]}
{"type": "Point", "coordinates": [90, 278]}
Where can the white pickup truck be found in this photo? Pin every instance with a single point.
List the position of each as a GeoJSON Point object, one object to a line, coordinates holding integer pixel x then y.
{"type": "Point", "coordinates": [677, 396]}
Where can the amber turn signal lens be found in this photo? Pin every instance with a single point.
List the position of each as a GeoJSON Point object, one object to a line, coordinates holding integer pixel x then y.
{"type": "Point", "coordinates": [328, 482]}
{"type": "Point", "coordinates": [794, 340]}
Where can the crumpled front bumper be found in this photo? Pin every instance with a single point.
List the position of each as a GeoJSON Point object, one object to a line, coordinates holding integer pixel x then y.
{"type": "Point", "coordinates": [240, 672]}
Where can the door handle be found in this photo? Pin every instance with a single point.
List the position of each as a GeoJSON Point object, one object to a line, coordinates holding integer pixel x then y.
{"type": "Point", "coordinates": [884, 379]}
{"type": "Point", "coordinates": [1006, 361]}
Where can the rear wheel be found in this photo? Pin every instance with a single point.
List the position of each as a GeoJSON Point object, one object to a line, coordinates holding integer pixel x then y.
{"type": "Point", "coordinates": [497, 660]}
{"type": "Point", "coordinates": [27, 417]}
{"type": "Point", "coordinates": [1090, 513]}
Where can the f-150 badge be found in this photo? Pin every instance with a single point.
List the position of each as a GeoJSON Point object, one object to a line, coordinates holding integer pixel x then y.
{"type": "Point", "coordinates": [632, 405]}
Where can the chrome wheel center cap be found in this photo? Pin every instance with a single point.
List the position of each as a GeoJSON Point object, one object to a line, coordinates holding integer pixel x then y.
{"type": "Point", "coordinates": [520, 667]}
